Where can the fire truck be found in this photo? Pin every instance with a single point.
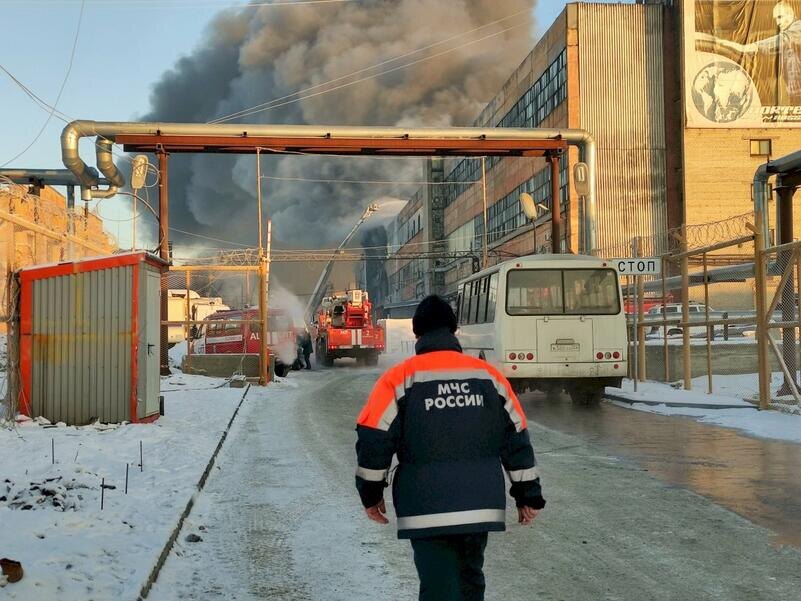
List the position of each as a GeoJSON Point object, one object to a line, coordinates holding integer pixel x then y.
{"type": "Point", "coordinates": [345, 328]}
{"type": "Point", "coordinates": [220, 336]}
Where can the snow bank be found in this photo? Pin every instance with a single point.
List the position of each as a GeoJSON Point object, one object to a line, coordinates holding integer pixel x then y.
{"type": "Point", "coordinates": [177, 353]}
{"type": "Point", "coordinates": [726, 407]}
{"type": "Point", "coordinates": [69, 548]}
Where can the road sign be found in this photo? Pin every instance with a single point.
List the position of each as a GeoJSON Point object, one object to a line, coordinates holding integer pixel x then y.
{"type": "Point", "coordinates": [638, 266]}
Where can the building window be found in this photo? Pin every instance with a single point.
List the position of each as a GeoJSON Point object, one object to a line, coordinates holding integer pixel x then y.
{"type": "Point", "coordinates": [533, 107]}
{"type": "Point", "coordinates": [507, 215]}
{"type": "Point", "coordinates": [761, 148]}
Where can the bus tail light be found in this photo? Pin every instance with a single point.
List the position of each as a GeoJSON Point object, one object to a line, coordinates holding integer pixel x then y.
{"type": "Point", "coordinates": [512, 356]}
{"type": "Point", "coordinates": [599, 355]}
{"type": "Point", "coordinates": [530, 356]}
{"type": "Point", "coordinates": [616, 355]}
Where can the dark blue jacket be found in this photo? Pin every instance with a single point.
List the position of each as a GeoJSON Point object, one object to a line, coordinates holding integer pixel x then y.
{"type": "Point", "coordinates": [456, 425]}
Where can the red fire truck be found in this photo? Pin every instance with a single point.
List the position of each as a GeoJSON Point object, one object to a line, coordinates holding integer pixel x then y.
{"type": "Point", "coordinates": [345, 328]}
{"type": "Point", "coordinates": [220, 336]}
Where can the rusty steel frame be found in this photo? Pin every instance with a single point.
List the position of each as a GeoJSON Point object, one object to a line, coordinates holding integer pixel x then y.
{"type": "Point", "coordinates": [403, 146]}
{"type": "Point", "coordinates": [165, 144]}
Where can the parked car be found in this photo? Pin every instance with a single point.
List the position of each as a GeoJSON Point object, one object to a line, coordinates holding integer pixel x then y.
{"type": "Point", "coordinates": [697, 313]}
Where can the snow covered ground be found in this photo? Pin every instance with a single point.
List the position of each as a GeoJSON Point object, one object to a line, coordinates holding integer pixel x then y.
{"type": "Point", "coordinates": [50, 515]}
{"type": "Point", "coordinates": [726, 407]}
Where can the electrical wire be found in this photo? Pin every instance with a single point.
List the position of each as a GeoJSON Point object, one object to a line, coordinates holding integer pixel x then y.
{"type": "Point", "coordinates": [364, 181]}
{"type": "Point", "coordinates": [189, 3]}
{"type": "Point", "coordinates": [60, 90]}
{"type": "Point", "coordinates": [373, 76]}
{"type": "Point", "coordinates": [357, 72]}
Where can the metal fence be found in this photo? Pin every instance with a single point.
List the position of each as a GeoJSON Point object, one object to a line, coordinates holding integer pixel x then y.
{"type": "Point", "coordinates": [723, 316]}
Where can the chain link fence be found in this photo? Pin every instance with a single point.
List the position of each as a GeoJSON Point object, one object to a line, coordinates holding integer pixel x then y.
{"type": "Point", "coordinates": [699, 323]}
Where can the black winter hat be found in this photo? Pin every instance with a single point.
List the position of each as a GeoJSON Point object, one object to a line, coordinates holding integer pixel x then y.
{"type": "Point", "coordinates": [432, 314]}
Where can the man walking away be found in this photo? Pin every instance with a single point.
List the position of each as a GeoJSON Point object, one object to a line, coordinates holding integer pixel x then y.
{"type": "Point", "coordinates": [453, 421]}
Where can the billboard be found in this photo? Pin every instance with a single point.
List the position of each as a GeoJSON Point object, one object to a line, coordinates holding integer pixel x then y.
{"type": "Point", "coordinates": [742, 63]}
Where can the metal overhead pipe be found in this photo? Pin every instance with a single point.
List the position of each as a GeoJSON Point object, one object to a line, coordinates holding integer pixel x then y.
{"type": "Point", "coordinates": [74, 131]}
{"type": "Point", "coordinates": [49, 177]}
{"type": "Point", "coordinates": [762, 190]}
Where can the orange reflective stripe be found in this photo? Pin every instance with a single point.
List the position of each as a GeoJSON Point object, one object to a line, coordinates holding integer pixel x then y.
{"type": "Point", "coordinates": [510, 394]}
{"type": "Point", "coordinates": [381, 408]}
{"type": "Point", "coordinates": [381, 399]}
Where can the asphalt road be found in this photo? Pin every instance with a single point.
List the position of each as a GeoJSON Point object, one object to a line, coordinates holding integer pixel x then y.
{"type": "Point", "coordinates": [280, 519]}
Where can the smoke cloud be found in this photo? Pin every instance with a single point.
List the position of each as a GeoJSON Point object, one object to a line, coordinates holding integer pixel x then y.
{"type": "Point", "coordinates": [257, 54]}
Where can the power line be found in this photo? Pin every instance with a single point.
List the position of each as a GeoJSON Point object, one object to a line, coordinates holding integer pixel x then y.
{"type": "Point", "coordinates": [368, 77]}
{"type": "Point", "coordinates": [363, 181]}
{"type": "Point", "coordinates": [60, 90]}
{"type": "Point", "coordinates": [265, 105]}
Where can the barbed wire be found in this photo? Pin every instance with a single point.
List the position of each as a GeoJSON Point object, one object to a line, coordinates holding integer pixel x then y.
{"type": "Point", "coordinates": [671, 241]}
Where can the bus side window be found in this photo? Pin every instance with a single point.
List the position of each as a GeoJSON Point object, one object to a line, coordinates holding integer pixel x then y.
{"type": "Point", "coordinates": [481, 310]}
{"type": "Point", "coordinates": [492, 297]}
{"type": "Point", "coordinates": [469, 302]}
{"type": "Point", "coordinates": [463, 309]}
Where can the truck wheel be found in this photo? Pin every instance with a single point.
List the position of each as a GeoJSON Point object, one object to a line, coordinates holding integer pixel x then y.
{"type": "Point", "coordinates": [371, 359]}
{"type": "Point", "coordinates": [281, 370]}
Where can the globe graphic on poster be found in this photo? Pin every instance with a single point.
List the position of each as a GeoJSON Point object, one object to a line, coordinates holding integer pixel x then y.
{"type": "Point", "coordinates": [722, 92]}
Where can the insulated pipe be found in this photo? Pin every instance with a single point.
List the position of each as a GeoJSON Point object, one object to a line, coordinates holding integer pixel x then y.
{"type": "Point", "coordinates": [105, 163]}
{"type": "Point", "coordinates": [108, 130]}
{"type": "Point", "coordinates": [49, 177]}
{"type": "Point", "coordinates": [762, 191]}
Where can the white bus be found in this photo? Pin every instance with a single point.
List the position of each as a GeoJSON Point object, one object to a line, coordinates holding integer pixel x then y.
{"type": "Point", "coordinates": [548, 322]}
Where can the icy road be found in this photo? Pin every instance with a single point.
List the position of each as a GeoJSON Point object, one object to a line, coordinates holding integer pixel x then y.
{"type": "Point", "coordinates": [280, 519]}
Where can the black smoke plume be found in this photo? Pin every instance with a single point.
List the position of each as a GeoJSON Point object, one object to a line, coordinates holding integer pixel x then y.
{"type": "Point", "coordinates": [252, 55]}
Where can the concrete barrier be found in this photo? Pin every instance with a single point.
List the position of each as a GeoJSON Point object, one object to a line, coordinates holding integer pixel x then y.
{"type": "Point", "coordinates": [222, 365]}
{"type": "Point", "coordinates": [727, 359]}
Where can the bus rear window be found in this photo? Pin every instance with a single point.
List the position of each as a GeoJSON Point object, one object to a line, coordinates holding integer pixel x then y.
{"type": "Point", "coordinates": [562, 292]}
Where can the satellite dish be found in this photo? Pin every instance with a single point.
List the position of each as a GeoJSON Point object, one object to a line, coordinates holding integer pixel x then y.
{"type": "Point", "coordinates": [581, 179]}
{"type": "Point", "coordinates": [139, 171]}
{"type": "Point", "coordinates": [529, 206]}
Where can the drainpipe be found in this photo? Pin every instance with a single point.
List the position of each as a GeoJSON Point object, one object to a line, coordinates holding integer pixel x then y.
{"type": "Point", "coordinates": [108, 130]}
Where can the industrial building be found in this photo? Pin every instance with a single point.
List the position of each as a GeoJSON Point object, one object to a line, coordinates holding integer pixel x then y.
{"type": "Point", "coordinates": [37, 227]}
{"type": "Point", "coordinates": [670, 151]}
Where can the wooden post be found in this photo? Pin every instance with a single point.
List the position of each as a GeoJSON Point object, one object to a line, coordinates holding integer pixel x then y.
{"type": "Point", "coordinates": [685, 313]}
{"type": "Point", "coordinates": [762, 332]}
{"type": "Point", "coordinates": [709, 329]}
{"type": "Point", "coordinates": [188, 317]}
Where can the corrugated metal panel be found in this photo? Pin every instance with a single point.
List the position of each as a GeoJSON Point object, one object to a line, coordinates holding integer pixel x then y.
{"type": "Point", "coordinates": [622, 103]}
{"type": "Point", "coordinates": [81, 346]}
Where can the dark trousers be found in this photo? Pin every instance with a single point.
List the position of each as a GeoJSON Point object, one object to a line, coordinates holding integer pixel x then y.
{"type": "Point", "coordinates": [450, 567]}
{"type": "Point", "coordinates": [306, 359]}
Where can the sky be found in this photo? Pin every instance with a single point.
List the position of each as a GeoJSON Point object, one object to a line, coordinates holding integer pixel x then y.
{"type": "Point", "coordinates": [123, 47]}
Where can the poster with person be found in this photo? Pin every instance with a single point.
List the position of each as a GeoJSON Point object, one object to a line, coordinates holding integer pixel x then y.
{"type": "Point", "coordinates": [742, 63]}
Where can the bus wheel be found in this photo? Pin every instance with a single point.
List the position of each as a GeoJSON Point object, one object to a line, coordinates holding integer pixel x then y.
{"type": "Point", "coordinates": [586, 394]}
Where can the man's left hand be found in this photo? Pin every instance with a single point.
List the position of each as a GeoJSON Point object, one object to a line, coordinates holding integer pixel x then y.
{"type": "Point", "coordinates": [376, 512]}
{"type": "Point", "coordinates": [526, 515]}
